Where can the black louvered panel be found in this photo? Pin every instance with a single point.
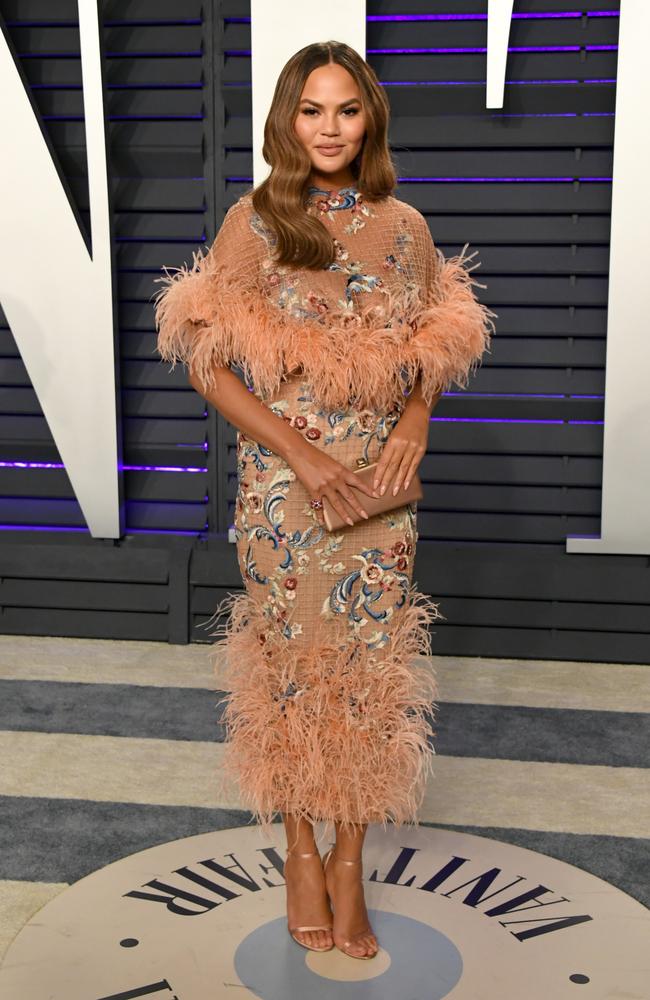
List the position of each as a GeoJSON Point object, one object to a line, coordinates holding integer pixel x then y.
{"type": "Point", "coordinates": [70, 584]}
{"type": "Point", "coordinates": [156, 71]}
{"type": "Point", "coordinates": [155, 79]}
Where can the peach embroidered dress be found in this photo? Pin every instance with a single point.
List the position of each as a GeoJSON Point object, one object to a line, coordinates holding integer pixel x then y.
{"type": "Point", "coordinates": [328, 711]}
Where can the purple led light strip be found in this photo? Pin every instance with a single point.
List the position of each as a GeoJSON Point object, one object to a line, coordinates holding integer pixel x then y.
{"type": "Point", "coordinates": [467, 17]}
{"type": "Point", "coordinates": [482, 83]}
{"type": "Point", "coordinates": [463, 49]}
{"type": "Point", "coordinates": [483, 17]}
{"type": "Point", "coordinates": [129, 531]}
{"type": "Point", "coordinates": [177, 22]}
{"type": "Point", "coordinates": [483, 49]}
{"type": "Point", "coordinates": [125, 468]}
{"type": "Point", "coordinates": [508, 420]}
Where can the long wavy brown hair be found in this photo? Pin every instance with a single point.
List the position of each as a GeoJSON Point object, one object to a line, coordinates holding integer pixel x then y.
{"type": "Point", "coordinates": [281, 198]}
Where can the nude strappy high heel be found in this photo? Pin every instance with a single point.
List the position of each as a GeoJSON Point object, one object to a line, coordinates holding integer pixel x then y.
{"type": "Point", "coordinates": [368, 930]}
{"type": "Point", "coordinates": [320, 927]}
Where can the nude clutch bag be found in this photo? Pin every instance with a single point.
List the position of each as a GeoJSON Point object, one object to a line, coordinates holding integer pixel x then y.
{"type": "Point", "coordinates": [373, 505]}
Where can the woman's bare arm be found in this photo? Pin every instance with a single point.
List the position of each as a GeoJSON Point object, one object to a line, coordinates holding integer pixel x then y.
{"type": "Point", "coordinates": [245, 411]}
{"type": "Point", "coordinates": [319, 473]}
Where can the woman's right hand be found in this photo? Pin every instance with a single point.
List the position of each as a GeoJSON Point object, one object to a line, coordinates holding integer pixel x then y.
{"type": "Point", "coordinates": [323, 476]}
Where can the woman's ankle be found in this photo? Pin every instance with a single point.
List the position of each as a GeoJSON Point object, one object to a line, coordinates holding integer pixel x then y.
{"type": "Point", "coordinates": [300, 836]}
{"type": "Point", "coordinates": [349, 860]}
{"type": "Point", "coordinates": [349, 844]}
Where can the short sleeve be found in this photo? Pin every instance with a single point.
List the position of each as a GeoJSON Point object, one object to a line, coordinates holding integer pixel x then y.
{"type": "Point", "coordinates": [201, 309]}
{"type": "Point", "coordinates": [452, 330]}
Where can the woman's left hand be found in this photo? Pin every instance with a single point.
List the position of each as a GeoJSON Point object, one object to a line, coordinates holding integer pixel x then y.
{"type": "Point", "coordinates": [403, 451]}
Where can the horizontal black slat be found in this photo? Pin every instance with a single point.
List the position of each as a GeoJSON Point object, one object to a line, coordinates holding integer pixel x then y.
{"type": "Point", "coordinates": [472, 33]}
{"type": "Point", "coordinates": [161, 70]}
{"type": "Point", "coordinates": [542, 644]}
{"type": "Point", "coordinates": [152, 487]}
{"type": "Point", "coordinates": [135, 403]}
{"type": "Point", "coordinates": [94, 596]}
{"type": "Point", "coordinates": [83, 624]}
{"type": "Point", "coordinates": [88, 559]}
{"type": "Point", "coordinates": [66, 11]}
{"type": "Point", "coordinates": [180, 102]}
{"type": "Point", "coordinates": [119, 40]}
{"type": "Point", "coordinates": [590, 615]}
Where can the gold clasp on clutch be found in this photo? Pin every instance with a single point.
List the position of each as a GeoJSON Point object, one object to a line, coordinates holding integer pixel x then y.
{"type": "Point", "coordinates": [361, 462]}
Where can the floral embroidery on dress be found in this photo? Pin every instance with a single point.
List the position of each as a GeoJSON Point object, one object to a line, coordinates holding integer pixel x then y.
{"type": "Point", "coordinates": [357, 281]}
{"type": "Point", "coordinates": [331, 546]}
{"type": "Point", "coordinates": [381, 572]}
{"type": "Point", "coordinates": [264, 482]}
{"type": "Point", "coordinates": [327, 202]}
{"type": "Point", "coordinates": [282, 584]}
{"type": "Point", "coordinates": [283, 284]}
{"type": "Point", "coordinates": [312, 304]}
{"type": "Point", "coordinates": [371, 427]}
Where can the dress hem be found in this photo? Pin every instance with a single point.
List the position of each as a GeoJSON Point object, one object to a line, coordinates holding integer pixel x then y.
{"type": "Point", "coordinates": [329, 730]}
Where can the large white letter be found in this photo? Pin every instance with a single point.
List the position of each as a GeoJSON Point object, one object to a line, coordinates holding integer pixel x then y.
{"type": "Point", "coordinates": [58, 301]}
{"type": "Point", "coordinates": [625, 522]}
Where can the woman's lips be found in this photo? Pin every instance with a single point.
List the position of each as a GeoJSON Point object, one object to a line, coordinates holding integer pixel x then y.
{"type": "Point", "coordinates": [329, 150]}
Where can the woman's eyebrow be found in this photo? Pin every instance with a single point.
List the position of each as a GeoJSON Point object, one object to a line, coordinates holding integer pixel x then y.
{"type": "Point", "coordinates": [352, 100]}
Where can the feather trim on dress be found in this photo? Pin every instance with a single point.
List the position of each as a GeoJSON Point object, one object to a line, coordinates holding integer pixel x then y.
{"type": "Point", "coordinates": [215, 314]}
{"type": "Point", "coordinates": [319, 729]}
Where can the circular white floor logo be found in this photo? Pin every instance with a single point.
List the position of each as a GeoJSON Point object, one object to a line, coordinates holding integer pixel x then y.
{"type": "Point", "coordinates": [456, 916]}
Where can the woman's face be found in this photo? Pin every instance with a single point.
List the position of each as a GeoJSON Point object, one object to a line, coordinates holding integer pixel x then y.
{"type": "Point", "coordinates": [331, 124]}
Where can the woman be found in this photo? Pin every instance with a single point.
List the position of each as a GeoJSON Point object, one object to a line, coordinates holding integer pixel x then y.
{"type": "Point", "coordinates": [347, 323]}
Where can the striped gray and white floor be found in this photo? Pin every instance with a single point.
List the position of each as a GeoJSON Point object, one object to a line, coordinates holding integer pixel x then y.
{"type": "Point", "coordinates": [111, 747]}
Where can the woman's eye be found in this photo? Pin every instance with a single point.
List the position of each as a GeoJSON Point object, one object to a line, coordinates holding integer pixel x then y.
{"type": "Point", "coordinates": [346, 111]}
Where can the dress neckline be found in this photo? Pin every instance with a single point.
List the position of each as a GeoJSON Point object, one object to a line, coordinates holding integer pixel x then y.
{"type": "Point", "coordinates": [337, 192]}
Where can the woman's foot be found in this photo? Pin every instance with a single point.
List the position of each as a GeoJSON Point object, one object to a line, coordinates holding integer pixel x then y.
{"type": "Point", "coordinates": [352, 932]}
{"type": "Point", "coordinates": [307, 902]}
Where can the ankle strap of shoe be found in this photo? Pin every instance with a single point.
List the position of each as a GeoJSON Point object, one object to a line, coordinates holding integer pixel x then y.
{"type": "Point", "coordinates": [344, 861]}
